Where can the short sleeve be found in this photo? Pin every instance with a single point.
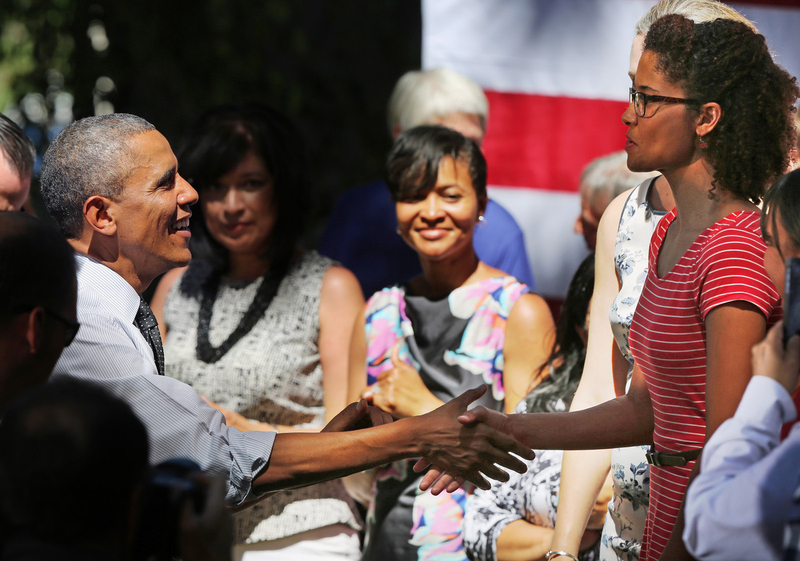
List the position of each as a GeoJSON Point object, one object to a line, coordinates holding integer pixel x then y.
{"type": "Point", "coordinates": [732, 269]}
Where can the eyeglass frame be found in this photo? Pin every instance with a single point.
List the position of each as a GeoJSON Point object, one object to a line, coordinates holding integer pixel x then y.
{"type": "Point", "coordinates": [633, 93]}
{"type": "Point", "coordinates": [72, 326]}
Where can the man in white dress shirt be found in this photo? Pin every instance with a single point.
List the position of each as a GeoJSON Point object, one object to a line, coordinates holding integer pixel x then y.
{"type": "Point", "coordinates": [112, 185]}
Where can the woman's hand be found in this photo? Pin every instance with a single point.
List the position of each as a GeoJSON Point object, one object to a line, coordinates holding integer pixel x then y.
{"type": "Point", "coordinates": [401, 391]}
{"type": "Point", "coordinates": [238, 421]}
{"type": "Point", "coordinates": [771, 360]}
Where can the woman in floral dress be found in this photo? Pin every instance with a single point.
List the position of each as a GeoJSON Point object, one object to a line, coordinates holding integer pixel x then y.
{"type": "Point", "coordinates": [460, 324]}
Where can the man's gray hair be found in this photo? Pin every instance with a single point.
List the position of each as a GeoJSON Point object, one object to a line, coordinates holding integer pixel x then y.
{"type": "Point", "coordinates": [609, 176]}
{"type": "Point", "coordinates": [90, 157]}
{"type": "Point", "coordinates": [421, 96]}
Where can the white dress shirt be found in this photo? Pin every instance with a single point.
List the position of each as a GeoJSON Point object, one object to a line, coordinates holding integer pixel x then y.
{"type": "Point", "coordinates": [745, 504]}
{"type": "Point", "coordinates": [111, 351]}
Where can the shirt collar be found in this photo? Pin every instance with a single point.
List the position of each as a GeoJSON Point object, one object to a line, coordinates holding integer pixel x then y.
{"type": "Point", "coordinates": [114, 293]}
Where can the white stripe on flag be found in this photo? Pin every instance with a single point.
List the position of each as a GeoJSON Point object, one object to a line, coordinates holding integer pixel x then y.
{"type": "Point", "coordinates": [547, 219]}
{"type": "Point", "coordinates": [573, 49]}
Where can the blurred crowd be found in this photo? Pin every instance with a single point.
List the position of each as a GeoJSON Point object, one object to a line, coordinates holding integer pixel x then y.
{"type": "Point", "coordinates": [402, 392]}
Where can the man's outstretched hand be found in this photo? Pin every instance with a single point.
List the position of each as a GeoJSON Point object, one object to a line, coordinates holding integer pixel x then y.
{"type": "Point", "coordinates": [466, 445]}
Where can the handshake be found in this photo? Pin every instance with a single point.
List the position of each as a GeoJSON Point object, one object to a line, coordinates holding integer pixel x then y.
{"type": "Point", "coordinates": [458, 445]}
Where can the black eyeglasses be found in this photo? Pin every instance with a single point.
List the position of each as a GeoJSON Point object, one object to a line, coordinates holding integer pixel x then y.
{"type": "Point", "coordinates": [71, 326]}
{"type": "Point", "coordinates": [640, 100]}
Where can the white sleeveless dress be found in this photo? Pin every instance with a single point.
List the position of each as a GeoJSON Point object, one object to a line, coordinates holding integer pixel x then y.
{"type": "Point", "coordinates": [627, 511]}
{"type": "Point", "coordinates": [273, 374]}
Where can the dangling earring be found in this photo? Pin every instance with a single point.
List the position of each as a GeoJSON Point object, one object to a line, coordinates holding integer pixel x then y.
{"type": "Point", "coordinates": [703, 143]}
{"type": "Point", "coordinates": [481, 221]}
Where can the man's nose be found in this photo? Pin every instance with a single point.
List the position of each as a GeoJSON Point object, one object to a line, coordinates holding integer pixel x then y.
{"type": "Point", "coordinates": [188, 194]}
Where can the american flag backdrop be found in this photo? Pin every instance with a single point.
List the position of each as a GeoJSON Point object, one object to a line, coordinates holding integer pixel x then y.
{"type": "Point", "coordinates": [555, 73]}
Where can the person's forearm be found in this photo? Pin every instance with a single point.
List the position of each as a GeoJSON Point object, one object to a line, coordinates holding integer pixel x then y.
{"type": "Point", "coordinates": [299, 459]}
{"type": "Point", "coordinates": [523, 541]}
{"type": "Point", "coordinates": [617, 423]}
{"type": "Point", "coordinates": [582, 476]}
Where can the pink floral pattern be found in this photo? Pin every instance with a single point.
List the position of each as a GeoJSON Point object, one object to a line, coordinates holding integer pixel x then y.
{"type": "Point", "coordinates": [435, 525]}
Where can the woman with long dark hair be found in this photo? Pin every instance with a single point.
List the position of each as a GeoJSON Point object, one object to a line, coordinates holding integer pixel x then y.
{"type": "Point", "coordinates": [258, 326]}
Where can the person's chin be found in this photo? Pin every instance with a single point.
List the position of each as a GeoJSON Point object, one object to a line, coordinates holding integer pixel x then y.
{"type": "Point", "coordinates": [181, 260]}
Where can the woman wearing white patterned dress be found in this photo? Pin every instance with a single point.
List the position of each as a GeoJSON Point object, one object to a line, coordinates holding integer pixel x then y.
{"type": "Point", "coordinates": [256, 325]}
{"type": "Point", "coordinates": [525, 505]}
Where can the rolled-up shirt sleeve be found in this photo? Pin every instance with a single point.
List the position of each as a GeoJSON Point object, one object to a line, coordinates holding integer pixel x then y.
{"type": "Point", "coordinates": [110, 351]}
{"type": "Point", "coordinates": [739, 505]}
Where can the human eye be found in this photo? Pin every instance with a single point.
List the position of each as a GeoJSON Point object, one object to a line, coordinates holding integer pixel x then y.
{"type": "Point", "coordinates": [452, 195]}
{"type": "Point", "coordinates": [212, 187]}
{"type": "Point", "coordinates": [414, 197]}
{"type": "Point", "coordinates": [254, 184]}
{"type": "Point", "coordinates": [167, 181]}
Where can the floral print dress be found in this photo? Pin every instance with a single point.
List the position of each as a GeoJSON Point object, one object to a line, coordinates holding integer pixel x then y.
{"type": "Point", "coordinates": [455, 343]}
{"type": "Point", "coordinates": [530, 496]}
{"type": "Point", "coordinates": [630, 472]}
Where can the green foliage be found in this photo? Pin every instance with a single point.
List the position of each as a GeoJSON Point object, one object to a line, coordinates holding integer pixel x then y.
{"type": "Point", "coordinates": [35, 36]}
{"type": "Point", "coordinates": [330, 65]}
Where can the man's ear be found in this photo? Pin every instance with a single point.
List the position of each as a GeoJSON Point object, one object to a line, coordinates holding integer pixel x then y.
{"type": "Point", "coordinates": [34, 329]}
{"type": "Point", "coordinates": [708, 118]}
{"type": "Point", "coordinates": [99, 214]}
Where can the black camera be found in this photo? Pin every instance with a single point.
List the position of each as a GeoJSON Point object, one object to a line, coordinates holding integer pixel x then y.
{"type": "Point", "coordinates": [167, 488]}
{"type": "Point", "coordinates": [791, 300]}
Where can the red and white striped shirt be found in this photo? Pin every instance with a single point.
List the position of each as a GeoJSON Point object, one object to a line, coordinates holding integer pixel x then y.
{"type": "Point", "coordinates": [668, 340]}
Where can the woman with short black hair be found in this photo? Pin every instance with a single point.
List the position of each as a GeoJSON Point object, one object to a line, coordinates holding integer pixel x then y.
{"type": "Point", "coordinates": [460, 324]}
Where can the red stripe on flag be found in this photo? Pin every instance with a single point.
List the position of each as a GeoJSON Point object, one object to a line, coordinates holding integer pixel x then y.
{"type": "Point", "coordinates": [544, 142]}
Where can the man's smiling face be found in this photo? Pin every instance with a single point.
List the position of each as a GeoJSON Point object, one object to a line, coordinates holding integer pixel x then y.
{"type": "Point", "coordinates": [153, 208]}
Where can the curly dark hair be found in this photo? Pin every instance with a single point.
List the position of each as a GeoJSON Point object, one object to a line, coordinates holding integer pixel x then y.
{"type": "Point", "coordinates": [726, 62]}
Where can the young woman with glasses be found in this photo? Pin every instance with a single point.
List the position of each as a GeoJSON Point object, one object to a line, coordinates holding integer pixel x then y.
{"type": "Point", "coordinates": [706, 299]}
{"type": "Point", "coordinates": [623, 239]}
